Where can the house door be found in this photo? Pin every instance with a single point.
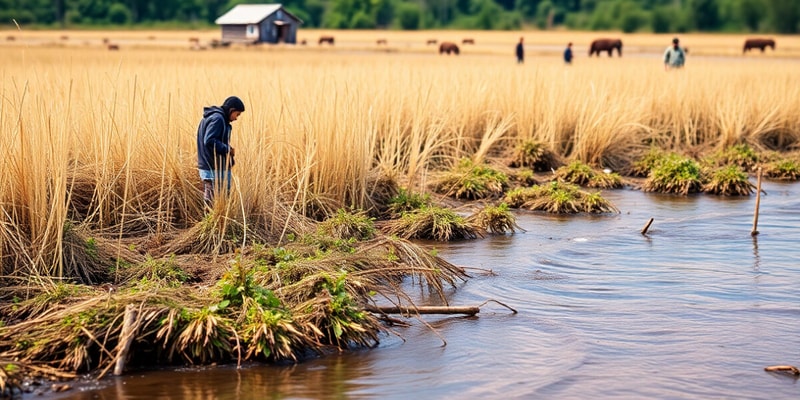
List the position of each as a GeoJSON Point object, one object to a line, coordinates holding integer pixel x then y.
{"type": "Point", "coordinates": [281, 31]}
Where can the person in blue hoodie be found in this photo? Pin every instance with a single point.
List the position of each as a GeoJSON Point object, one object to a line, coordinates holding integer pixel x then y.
{"type": "Point", "coordinates": [214, 152]}
{"type": "Point", "coordinates": [568, 54]}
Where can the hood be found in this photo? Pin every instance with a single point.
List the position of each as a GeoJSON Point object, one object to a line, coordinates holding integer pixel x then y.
{"type": "Point", "coordinates": [208, 111]}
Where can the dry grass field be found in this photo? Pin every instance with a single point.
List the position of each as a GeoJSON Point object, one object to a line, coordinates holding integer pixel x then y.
{"type": "Point", "coordinates": [105, 140]}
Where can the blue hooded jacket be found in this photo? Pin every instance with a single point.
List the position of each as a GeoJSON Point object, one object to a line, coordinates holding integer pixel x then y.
{"type": "Point", "coordinates": [213, 138]}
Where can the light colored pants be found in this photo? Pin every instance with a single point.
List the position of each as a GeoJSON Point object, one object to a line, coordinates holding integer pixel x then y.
{"type": "Point", "coordinates": [212, 181]}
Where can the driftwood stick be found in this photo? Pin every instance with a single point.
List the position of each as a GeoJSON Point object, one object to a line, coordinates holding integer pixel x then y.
{"type": "Point", "coordinates": [783, 368]}
{"type": "Point", "coordinates": [126, 337]}
{"type": "Point", "coordinates": [423, 310]}
{"type": "Point", "coordinates": [758, 202]}
{"type": "Point", "coordinates": [647, 226]}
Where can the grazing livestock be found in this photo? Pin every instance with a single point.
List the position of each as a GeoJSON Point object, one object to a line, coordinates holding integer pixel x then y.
{"type": "Point", "coordinates": [64, 37]}
{"type": "Point", "coordinates": [326, 39]}
{"type": "Point", "coordinates": [303, 42]}
{"type": "Point", "coordinates": [11, 38]}
{"type": "Point", "coordinates": [758, 43]}
{"type": "Point", "coordinates": [113, 47]}
{"type": "Point", "coordinates": [608, 45]}
{"type": "Point", "coordinates": [448, 47]}
{"type": "Point", "coordinates": [431, 41]}
{"type": "Point", "coordinates": [381, 41]}
{"type": "Point", "coordinates": [468, 41]}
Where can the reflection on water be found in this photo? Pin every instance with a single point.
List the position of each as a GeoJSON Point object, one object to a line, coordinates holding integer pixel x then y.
{"type": "Point", "coordinates": [696, 308]}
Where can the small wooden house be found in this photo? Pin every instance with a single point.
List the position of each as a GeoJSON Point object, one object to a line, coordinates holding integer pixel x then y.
{"type": "Point", "coordinates": [259, 23]}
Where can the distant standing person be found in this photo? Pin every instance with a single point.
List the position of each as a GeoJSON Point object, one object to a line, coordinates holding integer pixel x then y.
{"type": "Point", "coordinates": [520, 52]}
{"type": "Point", "coordinates": [674, 56]}
{"type": "Point", "coordinates": [568, 53]}
{"type": "Point", "coordinates": [214, 152]}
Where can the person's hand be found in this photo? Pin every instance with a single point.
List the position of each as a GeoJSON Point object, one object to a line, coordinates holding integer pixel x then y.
{"type": "Point", "coordinates": [231, 151]}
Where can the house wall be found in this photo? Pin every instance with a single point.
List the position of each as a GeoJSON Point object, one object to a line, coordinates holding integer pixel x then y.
{"type": "Point", "coordinates": [269, 31]}
{"type": "Point", "coordinates": [234, 33]}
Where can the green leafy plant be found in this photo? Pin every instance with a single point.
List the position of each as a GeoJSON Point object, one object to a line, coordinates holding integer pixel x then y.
{"type": "Point", "coordinates": [558, 197]}
{"type": "Point", "coordinates": [347, 225]}
{"type": "Point", "coordinates": [496, 219]}
{"type": "Point", "coordinates": [674, 174]}
{"type": "Point", "coordinates": [535, 155]}
{"type": "Point", "coordinates": [406, 201]}
{"type": "Point", "coordinates": [729, 181]}
{"type": "Point", "coordinates": [434, 223]}
{"type": "Point", "coordinates": [785, 169]}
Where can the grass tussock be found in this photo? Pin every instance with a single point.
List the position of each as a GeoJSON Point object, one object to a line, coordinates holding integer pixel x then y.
{"type": "Point", "coordinates": [407, 201]}
{"type": "Point", "coordinates": [496, 219]}
{"type": "Point", "coordinates": [216, 233]}
{"type": "Point", "coordinates": [560, 198]}
{"type": "Point", "coordinates": [741, 155]}
{"type": "Point", "coordinates": [470, 181]}
{"type": "Point", "coordinates": [784, 170]}
{"type": "Point", "coordinates": [535, 155]}
{"type": "Point", "coordinates": [645, 164]}
{"type": "Point", "coordinates": [434, 223]}
{"type": "Point", "coordinates": [347, 225]}
{"type": "Point", "coordinates": [581, 174]}
{"type": "Point", "coordinates": [729, 181]}
{"type": "Point", "coordinates": [674, 174]}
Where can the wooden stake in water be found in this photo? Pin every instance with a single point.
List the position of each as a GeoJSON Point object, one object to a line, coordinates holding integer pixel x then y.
{"type": "Point", "coordinates": [647, 226]}
{"type": "Point", "coordinates": [758, 202]}
{"type": "Point", "coordinates": [125, 338]}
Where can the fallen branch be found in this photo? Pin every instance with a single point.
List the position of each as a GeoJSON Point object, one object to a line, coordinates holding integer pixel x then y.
{"type": "Point", "coordinates": [783, 368]}
{"type": "Point", "coordinates": [423, 310]}
{"type": "Point", "coordinates": [419, 310]}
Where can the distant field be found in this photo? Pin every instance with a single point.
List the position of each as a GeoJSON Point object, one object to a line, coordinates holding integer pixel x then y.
{"type": "Point", "coordinates": [106, 139]}
{"type": "Point", "coordinates": [486, 42]}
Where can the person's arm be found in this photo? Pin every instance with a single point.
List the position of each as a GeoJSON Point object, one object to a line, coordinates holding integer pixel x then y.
{"type": "Point", "coordinates": [213, 136]}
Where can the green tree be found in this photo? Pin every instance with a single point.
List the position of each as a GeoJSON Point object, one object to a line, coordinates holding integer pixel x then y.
{"type": "Point", "coordinates": [409, 15]}
{"type": "Point", "coordinates": [704, 14]}
{"type": "Point", "coordinates": [785, 15]}
{"type": "Point", "coordinates": [751, 13]}
{"type": "Point", "coordinates": [119, 14]}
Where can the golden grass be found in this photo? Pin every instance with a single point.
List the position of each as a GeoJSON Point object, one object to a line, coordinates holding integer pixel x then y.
{"type": "Point", "coordinates": [106, 139]}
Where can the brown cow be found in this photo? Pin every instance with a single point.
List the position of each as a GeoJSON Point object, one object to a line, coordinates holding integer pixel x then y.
{"type": "Point", "coordinates": [448, 47]}
{"type": "Point", "coordinates": [758, 43]}
{"type": "Point", "coordinates": [303, 42]}
{"type": "Point", "coordinates": [326, 39]}
{"type": "Point", "coordinates": [11, 38]}
{"type": "Point", "coordinates": [608, 45]}
{"type": "Point", "coordinates": [468, 41]}
{"type": "Point", "coordinates": [113, 47]}
{"type": "Point", "coordinates": [381, 41]}
{"type": "Point", "coordinates": [432, 41]}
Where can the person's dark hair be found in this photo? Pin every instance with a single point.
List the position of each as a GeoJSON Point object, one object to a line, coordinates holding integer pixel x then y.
{"type": "Point", "coordinates": [675, 41]}
{"type": "Point", "coordinates": [232, 103]}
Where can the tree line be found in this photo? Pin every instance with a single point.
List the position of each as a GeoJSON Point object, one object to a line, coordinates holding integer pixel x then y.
{"type": "Point", "coordinates": [660, 16]}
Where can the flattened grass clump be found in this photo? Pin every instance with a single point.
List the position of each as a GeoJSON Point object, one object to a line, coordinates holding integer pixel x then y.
{"type": "Point", "coordinates": [535, 155]}
{"type": "Point", "coordinates": [259, 310]}
{"type": "Point", "coordinates": [346, 225]}
{"type": "Point", "coordinates": [674, 174]}
{"type": "Point", "coordinates": [784, 170]}
{"type": "Point", "coordinates": [579, 173]}
{"type": "Point", "coordinates": [406, 201]}
{"type": "Point", "coordinates": [643, 166]}
{"type": "Point", "coordinates": [560, 198]}
{"type": "Point", "coordinates": [729, 181]}
{"type": "Point", "coordinates": [434, 223]}
{"type": "Point", "coordinates": [496, 219]}
{"type": "Point", "coordinates": [471, 182]}
{"type": "Point", "coordinates": [152, 269]}
{"type": "Point", "coordinates": [214, 234]}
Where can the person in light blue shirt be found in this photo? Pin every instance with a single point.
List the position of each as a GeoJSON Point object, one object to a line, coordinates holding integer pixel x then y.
{"type": "Point", "coordinates": [674, 56]}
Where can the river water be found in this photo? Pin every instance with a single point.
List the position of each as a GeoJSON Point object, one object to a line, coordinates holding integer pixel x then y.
{"type": "Point", "coordinates": [695, 309]}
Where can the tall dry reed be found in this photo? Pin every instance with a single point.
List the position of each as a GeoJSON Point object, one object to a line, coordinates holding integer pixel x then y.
{"type": "Point", "coordinates": [106, 141]}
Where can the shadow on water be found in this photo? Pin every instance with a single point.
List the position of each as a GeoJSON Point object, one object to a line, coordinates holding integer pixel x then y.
{"type": "Point", "coordinates": [695, 308]}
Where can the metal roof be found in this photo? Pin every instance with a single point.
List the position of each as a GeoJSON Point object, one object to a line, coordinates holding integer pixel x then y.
{"type": "Point", "coordinates": [244, 14]}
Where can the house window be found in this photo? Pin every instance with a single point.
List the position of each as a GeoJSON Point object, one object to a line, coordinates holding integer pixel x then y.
{"type": "Point", "coordinates": [252, 31]}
